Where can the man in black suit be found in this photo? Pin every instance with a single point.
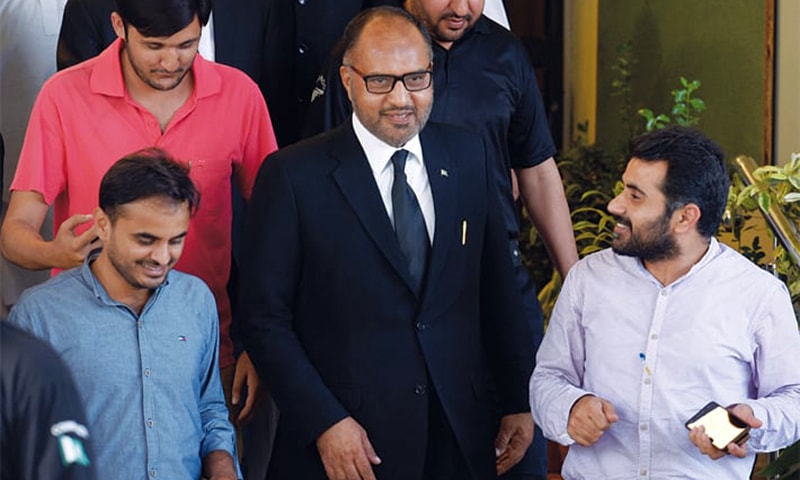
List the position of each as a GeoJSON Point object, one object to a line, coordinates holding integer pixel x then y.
{"type": "Point", "coordinates": [378, 290]}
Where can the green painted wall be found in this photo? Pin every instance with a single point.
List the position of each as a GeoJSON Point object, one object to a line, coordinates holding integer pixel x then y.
{"type": "Point", "coordinates": [719, 42]}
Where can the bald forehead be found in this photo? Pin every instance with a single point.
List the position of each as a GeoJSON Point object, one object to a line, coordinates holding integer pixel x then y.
{"type": "Point", "coordinates": [387, 29]}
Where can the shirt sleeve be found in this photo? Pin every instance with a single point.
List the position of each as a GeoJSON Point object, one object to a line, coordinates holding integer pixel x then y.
{"type": "Point", "coordinates": [776, 375]}
{"type": "Point", "coordinates": [529, 140]}
{"type": "Point", "coordinates": [556, 381]}
{"type": "Point", "coordinates": [218, 433]}
{"type": "Point", "coordinates": [41, 166]}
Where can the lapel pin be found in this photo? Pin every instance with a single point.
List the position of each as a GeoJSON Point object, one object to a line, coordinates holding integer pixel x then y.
{"type": "Point", "coordinates": [443, 172]}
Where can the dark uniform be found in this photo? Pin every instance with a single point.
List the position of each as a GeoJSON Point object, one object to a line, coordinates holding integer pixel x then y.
{"type": "Point", "coordinates": [485, 82]}
{"type": "Point", "coordinates": [43, 432]}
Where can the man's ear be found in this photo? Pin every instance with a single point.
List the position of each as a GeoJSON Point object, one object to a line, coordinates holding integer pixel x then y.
{"type": "Point", "coordinates": [103, 224]}
{"type": "Point", "coordinates": [686, 218]}
{"type": "Point", "coordinates": [345, 76]}
{"type": "Point", "coordinates": [118, 25]}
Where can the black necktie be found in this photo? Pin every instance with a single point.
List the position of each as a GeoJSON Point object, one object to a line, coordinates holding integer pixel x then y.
{"type": "Point", "coordinates": [409, 224]}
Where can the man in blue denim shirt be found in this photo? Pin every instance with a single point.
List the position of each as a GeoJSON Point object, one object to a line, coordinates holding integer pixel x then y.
{"type": "Point", "coordinates": [141, 340]}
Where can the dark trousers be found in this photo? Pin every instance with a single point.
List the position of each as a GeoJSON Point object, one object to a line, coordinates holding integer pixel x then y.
{"type": "Point", "coordinates": [443, 458]}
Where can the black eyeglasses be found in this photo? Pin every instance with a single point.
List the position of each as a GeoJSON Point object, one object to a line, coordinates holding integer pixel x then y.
{"type": "Point", "coordinates": [384, 83]}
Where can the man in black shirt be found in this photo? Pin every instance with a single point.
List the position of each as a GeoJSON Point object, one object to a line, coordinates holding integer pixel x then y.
{"type": "Point", "coordinates": [42, 433]}
{"type": "Point", "coordinates": [484, 81]}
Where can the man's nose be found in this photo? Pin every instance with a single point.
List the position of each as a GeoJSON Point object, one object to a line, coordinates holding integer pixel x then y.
{"type": "Point", "coordinates": [399, 94]}
{"type": "Point", "coordinates": [615, 205]}
{"type": "Point", "coordinates": [170, 60]}
{"type": "Point", "coordinates": [460, 7]}
{"type": "Point", "coordinates": [161, 254]}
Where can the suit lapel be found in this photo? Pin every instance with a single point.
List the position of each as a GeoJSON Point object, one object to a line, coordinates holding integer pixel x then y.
{"type": "Point", "coordinates": [443, 177]}
{"type": "Point", "coordinates": [357, 184]}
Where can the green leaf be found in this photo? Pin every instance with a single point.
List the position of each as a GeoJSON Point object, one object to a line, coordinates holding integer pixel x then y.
{"type": "Point", "coordinates": [764, 201]}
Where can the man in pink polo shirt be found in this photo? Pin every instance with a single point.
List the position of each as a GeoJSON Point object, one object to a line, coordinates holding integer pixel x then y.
{"type": "Point", "coordinates": [149, 88]}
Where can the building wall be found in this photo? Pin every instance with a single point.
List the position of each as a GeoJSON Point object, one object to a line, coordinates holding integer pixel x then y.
{"type": "Point", "coordinates": [787, 88]}
{"type": "Point", "coordinates": [719, 42]}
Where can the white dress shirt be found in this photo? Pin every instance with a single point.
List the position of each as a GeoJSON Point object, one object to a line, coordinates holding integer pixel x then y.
{"type": "Point", "coordinates": [495, 10]}
{"type": "Point", "coordinates": [206, 46]}
{"type": "Point", "coordinates": [379, 154]}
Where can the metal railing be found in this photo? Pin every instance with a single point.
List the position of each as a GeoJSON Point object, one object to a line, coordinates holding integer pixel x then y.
{"type": "Point", "coordinates": [785, 230]}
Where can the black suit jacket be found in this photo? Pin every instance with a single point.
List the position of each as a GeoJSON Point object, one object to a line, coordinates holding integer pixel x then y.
{"type": "Point", "coordinates": [332, 322]}
{"type": "Point", "coordinates": [239, 32]}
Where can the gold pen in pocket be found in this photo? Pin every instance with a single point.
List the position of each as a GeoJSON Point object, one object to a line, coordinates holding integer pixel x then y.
{"type": "Point", "coordinates": [463, 232]}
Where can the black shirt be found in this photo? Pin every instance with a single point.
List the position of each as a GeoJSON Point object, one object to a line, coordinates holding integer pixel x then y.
{"type": "Point", "coordinates": [485, 83]}
{"type": "Point", "coordinates": [42, 432]}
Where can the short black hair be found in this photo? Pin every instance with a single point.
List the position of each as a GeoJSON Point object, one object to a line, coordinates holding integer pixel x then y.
{"type": "Point", "coordinates": [696, 171]}
{"type": "Point", "coordinates": [162, 18]}
{"type": "Point", "coordinates": [145, 174]}
{"type": "Point", "coordinates": [355, 27]}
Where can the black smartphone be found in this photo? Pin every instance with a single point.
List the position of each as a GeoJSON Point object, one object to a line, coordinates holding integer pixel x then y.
{"type": "Point", "coordinates": [721, 426]}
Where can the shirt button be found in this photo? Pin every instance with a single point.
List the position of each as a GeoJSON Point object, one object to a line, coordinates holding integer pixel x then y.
{"type": "Point", "coordinates": [643, 428]}
{"type": "Point", "coordinates": [420, 389]}
{"type": "Point", "coordinates": [643, 472]}
{"type": "Point", "coordinates": [139, 323]}
{"type": "Point", "coordinates": [146, 372]}
{"type": "Point", "coordinates": [301, 49]}
{"type": "Point", "coordinates": [150, 423]}
{"type": "Point", "coordinates": [647, 381]}
{"type": "Point", "coordinates": [153, 472]}
{"type": "Point", "coordinates": [664, 293]}
{"type": "Point", "coordinates": [654, 336]}
{"type": "Point", "coordinates": [421, 326]}
{"type": "Point", "coordinates": [301, 2]}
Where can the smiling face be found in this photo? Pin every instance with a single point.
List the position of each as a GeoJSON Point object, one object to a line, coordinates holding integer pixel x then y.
{"type": "Point", "coordinates": [446, 20]}
{"type": "Point", "coordinates": [644, 223]}
{"type": "Point", "coordinates": [160, 63]}
{"type": "Point", "coordinates": [141, 243]}
{"type": "Point", "coordinates": [388, 46]}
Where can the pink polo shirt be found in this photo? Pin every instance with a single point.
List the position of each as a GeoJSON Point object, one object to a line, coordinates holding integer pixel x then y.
{"type": "Point", "coordinates": [84, 120]}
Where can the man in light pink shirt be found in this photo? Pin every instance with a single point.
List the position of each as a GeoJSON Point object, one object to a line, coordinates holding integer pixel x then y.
{"type": "Point", "coordinates": [149, 88]}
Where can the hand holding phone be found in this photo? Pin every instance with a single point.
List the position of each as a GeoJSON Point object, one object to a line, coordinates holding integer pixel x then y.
{"type": "Point", "coordinates": [722, 427]}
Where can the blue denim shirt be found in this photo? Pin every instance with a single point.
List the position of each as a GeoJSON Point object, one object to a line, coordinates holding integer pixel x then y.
{"type": "Point", "coordinates": [150, 383]}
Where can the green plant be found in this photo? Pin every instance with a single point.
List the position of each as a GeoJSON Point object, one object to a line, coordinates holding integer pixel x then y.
{"type": "Point", "coordinates": [624, 66]}
{"type": "Point", "coordinates": [686, 109]}
{"type": "Point", "coordinates": [770, 186]}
